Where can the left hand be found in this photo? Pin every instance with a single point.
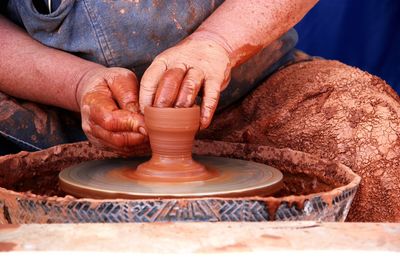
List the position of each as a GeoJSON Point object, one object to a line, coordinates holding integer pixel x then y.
{"type": "Point", "coordinates": [108, 100]}
{"type": "Point", "coordinates": [177, 74]}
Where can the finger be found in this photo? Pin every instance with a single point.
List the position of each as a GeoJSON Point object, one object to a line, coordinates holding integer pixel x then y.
{"type": "Point", "coordinates": [99, 108]}
{"type": "Point", "coordinates": [190, 87]}
{"type": "Point", "coordinates": [149, 83]}
{"type": "Point", "coordinates": [117, 121]}
{"type": "Point", "coordinates": [96, 107]}
{"type": "Point", "coordinates": [119, 139]}
{"type": "Point", "coordinates": [100, 98]}
{"type": "Point", "coordinates": [124, 88]}
{"type": "Point", "coordinates": [168, 88]}
{"type": "Point", "coordinates": [209, 103]}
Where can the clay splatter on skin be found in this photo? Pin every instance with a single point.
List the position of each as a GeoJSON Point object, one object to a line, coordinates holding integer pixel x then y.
{"type": "Point", "coordinates": [272, 19]}
{"type": "Point", "coordinates": [108, 122]}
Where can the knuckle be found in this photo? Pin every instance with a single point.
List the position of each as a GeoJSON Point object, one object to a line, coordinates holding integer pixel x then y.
{"type": "Point", "coordinates": [198, 72]}
{"type": "Point", "coordinates": [115, 73]}
{"type": "Point", "coordinates": [119, 70]}
{"type": "Point", "coordinates": [130, 75]}
{"type": "Point", "coordinates": [182, 66]}
{"type": "Point", "coordinates": [160, 59]}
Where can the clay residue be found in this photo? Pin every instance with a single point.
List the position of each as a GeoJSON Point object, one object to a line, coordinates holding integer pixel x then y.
{"type": "Point", "coordinates": [301, 184]}
{"type": "Point", "coordinates": [335, 112]}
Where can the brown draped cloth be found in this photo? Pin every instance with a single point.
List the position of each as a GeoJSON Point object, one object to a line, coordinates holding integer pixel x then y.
{"type": "Point", "coordinates": [334, 111]}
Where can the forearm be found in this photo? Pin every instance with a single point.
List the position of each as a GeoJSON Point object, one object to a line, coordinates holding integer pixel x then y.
{"type": "Point", "coordinates": [32, 71]}
{"type": "Point", "coordinates": [245, 27]}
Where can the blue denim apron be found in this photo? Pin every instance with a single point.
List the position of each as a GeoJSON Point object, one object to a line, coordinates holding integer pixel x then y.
{"type": "Point", "coordinates": [125, 34]}
{"type": "Point", "coordinates": [113, 33]}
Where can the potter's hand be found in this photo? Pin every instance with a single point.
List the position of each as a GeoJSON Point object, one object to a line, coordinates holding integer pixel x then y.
{"type": "Point", "coordinates": [108, 99]}
{"type": "Point", "coordinates": [176, 76]}
{"type": "Point", "coordinates": [226, 39]}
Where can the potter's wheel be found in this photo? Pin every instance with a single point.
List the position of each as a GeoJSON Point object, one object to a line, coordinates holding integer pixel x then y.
{"type": "Point", "coordinates": [114, 178]}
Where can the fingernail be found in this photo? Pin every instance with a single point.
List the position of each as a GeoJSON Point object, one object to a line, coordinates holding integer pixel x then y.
{"type": "Point", "coordinates": [142, 130]}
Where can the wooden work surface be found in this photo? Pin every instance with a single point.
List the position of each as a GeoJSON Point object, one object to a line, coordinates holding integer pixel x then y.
{"type": "Point", "coordinates": [201, 237]}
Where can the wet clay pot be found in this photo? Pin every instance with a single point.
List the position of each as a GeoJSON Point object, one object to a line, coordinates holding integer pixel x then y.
{"type": "Point", "coordinates": [171, 133]}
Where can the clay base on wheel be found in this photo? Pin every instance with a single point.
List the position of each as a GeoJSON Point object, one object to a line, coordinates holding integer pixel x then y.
{"type": "Point", "coordinates": [115, 178]}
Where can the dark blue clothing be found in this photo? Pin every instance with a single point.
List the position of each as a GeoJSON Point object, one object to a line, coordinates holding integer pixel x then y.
{"type": "Point", "coordinates": [362, 33]}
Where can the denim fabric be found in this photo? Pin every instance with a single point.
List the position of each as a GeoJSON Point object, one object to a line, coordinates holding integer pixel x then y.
{"type": "Point", "coordinates": [113, 33]}
{"type": "Point", "coordinates": [125, 34]}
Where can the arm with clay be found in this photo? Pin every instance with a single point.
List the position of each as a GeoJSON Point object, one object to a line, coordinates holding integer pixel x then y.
{"type": "Point", "coordinates": [106, 97]}
{"type": "Point", "coordinates": [235, 32]}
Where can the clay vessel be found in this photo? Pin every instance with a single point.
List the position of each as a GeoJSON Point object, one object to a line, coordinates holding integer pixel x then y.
{"type": "Point", "coordinates": [171, 132]}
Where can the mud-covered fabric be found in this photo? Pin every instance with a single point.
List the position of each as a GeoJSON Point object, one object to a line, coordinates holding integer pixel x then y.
{"type": "Point", "coordinates": [332, 111]}
{"type": "Point", "coordinates": [30, 126]}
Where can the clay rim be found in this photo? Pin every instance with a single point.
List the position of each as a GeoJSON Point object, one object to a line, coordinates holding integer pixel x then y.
{"type": "Point", "coordinates": [165, 114]}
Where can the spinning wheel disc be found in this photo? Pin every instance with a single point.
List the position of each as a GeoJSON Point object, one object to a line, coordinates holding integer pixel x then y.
{"type": "Point", "coordinates": [114, 178]}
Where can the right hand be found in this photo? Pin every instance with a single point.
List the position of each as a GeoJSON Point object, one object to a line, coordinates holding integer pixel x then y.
{"type": "Point", "coordinates": [176, 76]}
{"type": "Point", "coordinates": [108, 100]}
